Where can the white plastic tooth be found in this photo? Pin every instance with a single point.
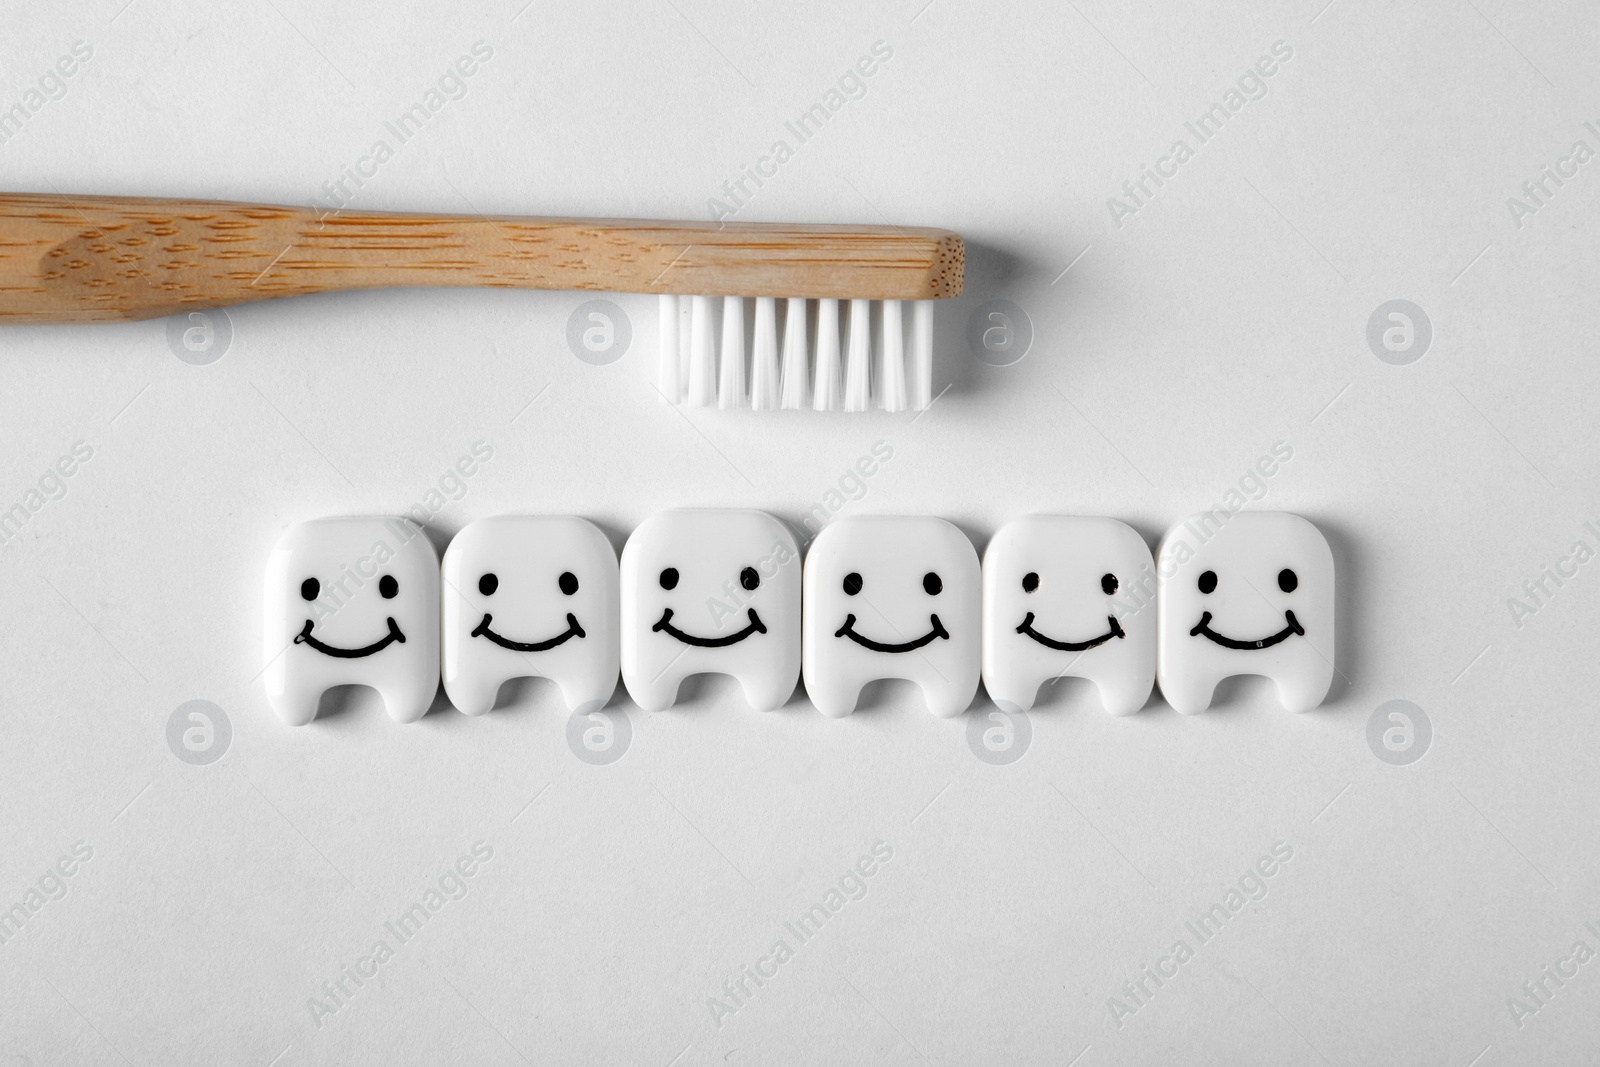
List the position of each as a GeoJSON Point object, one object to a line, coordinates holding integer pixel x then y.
{"type": "Point", "coordinates": [858, 370]}
{"type": "Point", "coordinates": [764, 356]}
{"type": "Point", "coordinates": [702, 356]}
{"type": "Point", "coordinates": [796, 370]}
{"type": "Point", "coordinates": [730, 390]}
{"type": "Point", "coordinates": [921, 354]}
{"type": "Point", "coordinates": [825, 394]}
{"type": "Point", "coordinates": [892, 360]}
{"type": "Point", "coordinates": [670, 383]}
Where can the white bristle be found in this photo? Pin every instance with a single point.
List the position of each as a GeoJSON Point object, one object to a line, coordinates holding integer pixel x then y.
{"type": "Point", "coordinates": [796, 351]}
{"type": "Point", "coordinates": [825, 393]}
{"type": "Point", "coordinates": [685, 332]}
{"type": "Point", "coordinates": [730, 387]}
{"type": "Point", "coordinates": [702, 356]}
{"type": "Point", "coordinates": [892, 360]}
{"type": "Point", "coordinates": [764, 356]}
{"type": "Point", "coordinates": [858, 367]}
{"type": "Point", "coordinates": [671, 385]}
{"type": "Point", "coordinates": [884, 359]}
{"type": "Point", "coordinates": [921, 354]}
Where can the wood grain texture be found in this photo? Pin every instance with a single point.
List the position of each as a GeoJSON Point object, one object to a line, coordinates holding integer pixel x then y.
{"type": "Point", "coordinates": [87, 258]}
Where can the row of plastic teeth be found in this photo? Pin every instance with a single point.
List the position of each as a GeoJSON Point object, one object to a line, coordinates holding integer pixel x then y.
{"type": "Point", "coordinates": [887, 354]}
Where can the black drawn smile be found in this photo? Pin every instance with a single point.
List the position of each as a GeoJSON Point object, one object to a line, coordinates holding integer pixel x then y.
{"type": "Point", "coordinates": [304, 638]}
{"type": "Point", "coordinates": [756, 627]}
{"type": "Point", "coordinates": [1203, 627]}
{"type": "Point", "coordinates": [1071, 646]}
{"type": "Point", "coordinates": [848, 630]}
{"type": "Point", "coordinates": [572, 630]}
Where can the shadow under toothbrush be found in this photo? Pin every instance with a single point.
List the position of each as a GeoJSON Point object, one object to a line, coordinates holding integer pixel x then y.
{"type": "Point", "coordinates": [992, 272]}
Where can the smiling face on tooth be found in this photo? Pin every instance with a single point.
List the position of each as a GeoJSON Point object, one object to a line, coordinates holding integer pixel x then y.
{"type": "Point", "coordinates": [853, 585]}
{"type": "Point", "coordinates": [1069, 597]}
{"type": "Point", "coordinates": [711, 592]}
{"type": "Point", "coordinates": [530, 596]}
{"type": "Point", "coordinates": [891, 597]}
{"type": "Point", "coordinates": [311, 592]}
{"type": "Point", "coordinates": [352, 601]}
{"type": "Point", "coordinates": [1255, 597]}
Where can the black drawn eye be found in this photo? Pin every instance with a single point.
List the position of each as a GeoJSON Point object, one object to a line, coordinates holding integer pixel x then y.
{"type": "Point", "coordinates": [932, 584]}
{"type": "Point", "coordinates": [749, 578]}
{"type": "Point", "coordinates": [669, 578]}
{"type": "Point", "coordinates": [488, 584]}
{"type": "Point", "coordinates": [388, 587]}
{"type": "Point", "coordinates": [1287, 580]}
{"type": "Point", "coordinates": [1030, 582]}
{"type": "Point", "coordinates": [1208, 581]}
{"type": "Point", "coordinates": [1108, 584]}
{"type": "Point", "coordinates": [568, 582]}
{"type": "Point", "coordinates": [852, 584]}
{"type": "Point", "coordinates": [310, 589]}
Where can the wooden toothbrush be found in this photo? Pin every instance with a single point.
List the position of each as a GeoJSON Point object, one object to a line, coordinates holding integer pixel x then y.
{"type": "Point", "coordinates": [102, 258]}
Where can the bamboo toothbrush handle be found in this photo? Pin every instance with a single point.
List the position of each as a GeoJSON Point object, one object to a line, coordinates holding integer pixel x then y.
{"type": "Point", "coordinates": [89, 258]}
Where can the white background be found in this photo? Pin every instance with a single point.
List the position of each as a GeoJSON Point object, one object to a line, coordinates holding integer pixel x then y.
{"type": "Point", "coordinates": [1227, 314]}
